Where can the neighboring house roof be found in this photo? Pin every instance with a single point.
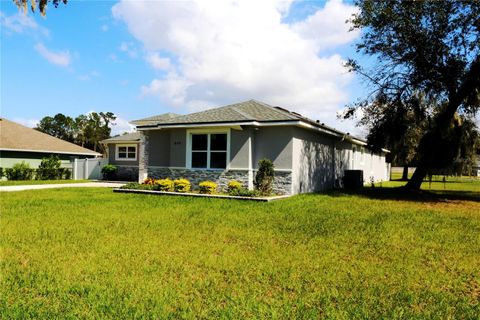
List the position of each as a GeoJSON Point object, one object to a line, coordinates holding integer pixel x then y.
{"type": "Point", "coordinates": [155, 119]}
{"type": "Point", "coordinates": [129, 137]}
{"type": "Point", "coordinates": [249, 112]}
{"type": "Point", "coordinates": [15, 137]}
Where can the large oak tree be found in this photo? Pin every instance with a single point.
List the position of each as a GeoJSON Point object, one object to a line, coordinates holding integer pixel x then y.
{"type": "Point", "coordinates": [427, 57]}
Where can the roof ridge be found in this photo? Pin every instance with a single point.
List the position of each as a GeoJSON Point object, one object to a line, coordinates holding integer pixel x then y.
{"type": "Point", "coordinates": [277, 109]}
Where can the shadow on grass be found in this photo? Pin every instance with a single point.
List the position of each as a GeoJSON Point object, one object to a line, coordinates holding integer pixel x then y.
{"type": "Point", "coordinates": [403, 194]}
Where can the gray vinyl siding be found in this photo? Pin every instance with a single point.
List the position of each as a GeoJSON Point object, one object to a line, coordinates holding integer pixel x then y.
{"type": "Point", "coordinates": [111, 156]}
{"type": "Point", "coordinates": [276, 144]}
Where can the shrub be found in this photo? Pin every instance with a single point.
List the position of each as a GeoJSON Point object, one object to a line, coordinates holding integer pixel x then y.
{"type": "Point", "coordinates": [208, 187]}
{"type": "Point", "coordinates": [181, 185]}
{"type": "Point", "coordinates": [164, 185]}
{"type": "Point", "coordinates": [233, 186]}
{"type": "Point", "coordinates": [1, 172]}
{"type": "Point", "coordinates": [49, 169]}
{"type": "Point", "coordinates": [264, 177]}
{"type": "Point", "coordinates": [19, 171]}
{"type": "Point", "coordinates": [243, 192]}
{"type": "Point", "coordinates": [137, 186]}
{"type": "Point", "coordinates": [109, 172]}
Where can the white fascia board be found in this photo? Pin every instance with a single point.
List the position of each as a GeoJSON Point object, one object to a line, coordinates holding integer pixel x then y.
{"type": "Point", "coordinates": [49, 151]}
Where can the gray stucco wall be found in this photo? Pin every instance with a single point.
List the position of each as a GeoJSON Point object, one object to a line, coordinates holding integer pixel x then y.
{"type": "Point", "coordinates": [276, 144]}
{"type": "Point", "coordinates": [239, 148]}
{"type": "Point", "coordinates": [111, 156]}
{"type": "Point", "coordinates": [178, 147]}
{"type": "Point", "coordinates": [313, 161]}
{"type": "Point", "coordinates": [159, 148]}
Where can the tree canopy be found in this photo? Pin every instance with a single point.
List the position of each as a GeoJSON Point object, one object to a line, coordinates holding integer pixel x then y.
{"type": "Point", "coordinates": [41, 5]}
{"type": "Point", "coordinates": [426, 79]}
{"type": "Point", "coordinates": [85, 130]}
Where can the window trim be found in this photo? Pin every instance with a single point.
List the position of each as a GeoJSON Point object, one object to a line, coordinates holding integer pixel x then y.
{"type": "Point", "coordinates": [117, 147]}
{"type": "Point", "coordinates": [210, 131]}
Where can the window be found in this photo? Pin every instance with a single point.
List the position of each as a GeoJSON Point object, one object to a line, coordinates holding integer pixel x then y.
{"type": "Point", "coordinates": [208, 150]}
{"type": "Point", "coordinates": [126, 152]}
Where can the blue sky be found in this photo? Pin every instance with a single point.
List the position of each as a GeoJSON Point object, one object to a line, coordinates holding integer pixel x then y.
{"type": "Point", "coordinates": [145, 58]}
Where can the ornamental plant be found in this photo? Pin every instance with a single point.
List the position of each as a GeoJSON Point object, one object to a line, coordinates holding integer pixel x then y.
{"type": "Point", "coordinates": [149, 181]}
{"type": "Point", "coordinates": [234, 186]}
{"type": "Point", "coordinates": [207, 187]}
{"type": "Point", "coordinates": [19, 171]}
{"type": "Point", "coordinates": [164, 185]}
{"type": "Point", "coordinates": [49, 169]}
{"type": "Point", "coordinates": [109, 172]}
{"type": "Point", "coordinates": [181, 185]}
{"type": "Point", "coordinates": [264, 177]}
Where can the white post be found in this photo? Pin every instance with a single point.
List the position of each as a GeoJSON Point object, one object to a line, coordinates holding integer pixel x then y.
{"type": "Point", "coordinates": [85, 172]}
{"type": "Point", "coordinates": [250, 161]}
{"type": "Point", "coordinates": [74, 173]}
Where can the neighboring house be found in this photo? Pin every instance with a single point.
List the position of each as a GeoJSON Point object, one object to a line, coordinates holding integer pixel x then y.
{"type": "Point", "coordinates": [226, 143]}
{"type": "Point", "coordinates": [122, 151]}
{"type": "Point", "coordinates": [19, 143]}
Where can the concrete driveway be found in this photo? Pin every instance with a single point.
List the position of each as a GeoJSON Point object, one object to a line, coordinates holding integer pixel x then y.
{"type": "Point", "coordinates": [63, 185]}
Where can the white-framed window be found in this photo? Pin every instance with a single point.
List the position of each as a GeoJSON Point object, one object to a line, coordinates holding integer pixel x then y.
{"type": "Point", "coordinates": [208, 149]}
{"type": "Point", "coordinates": [126, 152]}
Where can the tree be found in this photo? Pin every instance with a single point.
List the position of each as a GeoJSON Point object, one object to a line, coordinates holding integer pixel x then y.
{"type": "Point", "coordinates": [60, 126]}
{"type": "Point", "coordinates": [426, 47]}
{"type": "Point", "coordinates": [86, 130]}
{"type": "Point", "coordinates": [40, 4]}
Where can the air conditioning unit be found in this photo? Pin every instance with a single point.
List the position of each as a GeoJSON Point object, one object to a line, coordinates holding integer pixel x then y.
{"type": "Point", "coordinates": [353, 179]}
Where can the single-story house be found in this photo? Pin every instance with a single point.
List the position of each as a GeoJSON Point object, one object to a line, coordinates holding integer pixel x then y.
{"type": "Point", "coordinates": [19, 143]}
{"type": "Point", "coordinates": [122, 150]}
{"type": "Point", "coordinates": [226, 143]}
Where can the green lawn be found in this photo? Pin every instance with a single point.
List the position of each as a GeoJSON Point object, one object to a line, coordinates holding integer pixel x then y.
{"type": "Point", "coordinates": [30, 182]}
{"type": "Point", "coordinates": [92, 253]}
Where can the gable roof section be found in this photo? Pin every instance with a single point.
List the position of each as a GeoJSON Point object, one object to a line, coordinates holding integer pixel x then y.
{"type": "Point", "coordinates": [239, 112]}
{"type": "Point", "coordinates": [155, 119]}
{"type": "Point", "coordinates": [15, 137]}
{"type": "Point", "coordinates": [129, 137]}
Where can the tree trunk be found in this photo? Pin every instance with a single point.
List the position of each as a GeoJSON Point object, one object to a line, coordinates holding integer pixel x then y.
{"type": "Point", "coordinates": [436, 136]}
{"type": "Point", "coordinates": [405, 173]}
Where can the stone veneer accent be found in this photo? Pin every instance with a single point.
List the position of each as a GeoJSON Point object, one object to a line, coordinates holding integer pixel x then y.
{"type": "Point", "coordinates": [127, 173]}
{"type": "Point", "coordinates": [282, 183]}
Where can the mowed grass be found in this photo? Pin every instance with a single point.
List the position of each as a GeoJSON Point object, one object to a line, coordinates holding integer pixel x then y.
{"type": "Point", "coordinates": [30, 182]}
{"type": "Point", "coordinates": [92, 253]}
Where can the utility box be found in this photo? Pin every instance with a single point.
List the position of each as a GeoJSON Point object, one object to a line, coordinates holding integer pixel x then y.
{"type": "Point", "coordinates": [353, 179]}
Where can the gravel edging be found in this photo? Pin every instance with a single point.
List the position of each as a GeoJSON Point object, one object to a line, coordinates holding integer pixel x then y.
{"type": "Point", "coordinates": [200, 195]}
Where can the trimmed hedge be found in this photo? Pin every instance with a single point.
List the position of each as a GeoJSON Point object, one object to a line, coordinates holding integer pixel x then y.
{"type": "Point", "coordinates": [182, 185]}
{"type": "Point", "coordinates": [208, 187]}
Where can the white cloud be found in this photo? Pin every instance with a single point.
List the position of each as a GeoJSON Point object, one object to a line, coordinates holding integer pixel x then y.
{"type": "Point", "coordinates": [232, 51]}
{"type": "Point", "coordinates": [158, 62]}
{"type": "Point", "coordinates": [22, 23]}
{"type": "Point", "coordinates": [129, 48]}
{"type": "Point", "coordinates": [31, 123]}
{"type": "Point", "coordinates": [121, 126]}
{"type": "Point", "coordinates": [59, 58]}
{"type": "Point", "coordinates": [89, 76]}
{"type": "Point", "coordinates": [104, 28]}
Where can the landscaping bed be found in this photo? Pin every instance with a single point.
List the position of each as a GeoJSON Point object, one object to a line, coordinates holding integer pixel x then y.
{"type": "Point", "coordinates": [196, 194]}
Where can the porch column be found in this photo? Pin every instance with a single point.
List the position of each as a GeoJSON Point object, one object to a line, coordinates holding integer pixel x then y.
{"type": "Point", "coordinates": [250, 159]}
{"type": "Point", "coordinates": [143, 157]}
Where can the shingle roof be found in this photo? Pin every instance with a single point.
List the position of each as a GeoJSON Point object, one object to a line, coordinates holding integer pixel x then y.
{"type": "Point", "coordinates": [251, 110]}
{"type": "Point", "coordinates": [133, 137]}
{"type": "Point", "coordinates": [14, 136]}
{"type": "Point", "coordinates": [154, 119]}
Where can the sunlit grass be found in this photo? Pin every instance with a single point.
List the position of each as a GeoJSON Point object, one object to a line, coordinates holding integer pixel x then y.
{"type": "Point", "coordinates": [91, 253]}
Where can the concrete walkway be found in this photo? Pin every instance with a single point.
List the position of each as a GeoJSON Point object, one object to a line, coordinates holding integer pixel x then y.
{"type": "Point", "coordinates": [62, 185]}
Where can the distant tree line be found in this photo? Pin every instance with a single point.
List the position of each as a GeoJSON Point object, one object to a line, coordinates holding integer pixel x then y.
{"type": "Point", "coordinates": [86, 130]}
